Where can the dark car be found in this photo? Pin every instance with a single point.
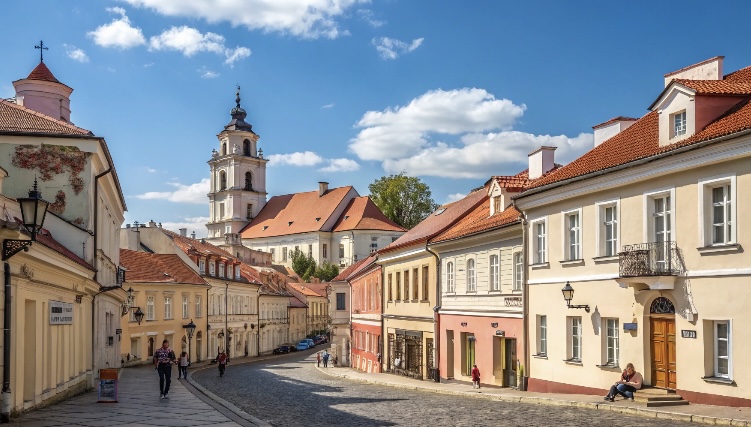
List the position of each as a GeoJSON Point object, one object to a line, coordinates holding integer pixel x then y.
{"type": "Point", "coordinates": [282, 349]}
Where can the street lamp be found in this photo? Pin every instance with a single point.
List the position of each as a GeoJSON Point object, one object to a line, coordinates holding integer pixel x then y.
{"type": "Point", "coordinates": [128, 307]}
{"type": "Point", "coordinates": [190, 328]}
{"type": "Point", "coordinates": [33, 211]}
{"type": "Point", "coordinates": [568, 295]}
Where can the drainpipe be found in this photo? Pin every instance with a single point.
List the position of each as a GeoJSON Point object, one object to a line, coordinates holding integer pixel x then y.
{"type": "Point", "coordinates": [436, 314]}
{"type": "Point", "coordinates": [5, 414]}
{"type": "Point", "coordinates": [258, 316]}
{"type": "Point", "coordinates": [96, 270]}
{"type": "Point", "coordinates": [525, 296]}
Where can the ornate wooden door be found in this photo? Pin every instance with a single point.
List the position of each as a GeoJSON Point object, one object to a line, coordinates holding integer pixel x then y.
{"type": "Point", "coordinates": [663, 352]}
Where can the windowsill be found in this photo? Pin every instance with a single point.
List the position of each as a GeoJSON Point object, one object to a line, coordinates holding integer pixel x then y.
{"type": "Point", "coordinates": [415, 300]}
{"type": "Point", "coordinates": [540, 265]}
{"type": "Point", "coordinates": [425, 300]}
{"type": "Point", "coordinates": [719, 380]}
{"type": "Point", "coordinates": [606, 259]}
{"type": "Point", "coordinates": [735, 247]}
{"type": "Point", "coordinates": [573, 362]}
{"type": "Point", "coordinates": [471, 292]}
{"type": "Point", "coordinates": [572, 262]}
{"type": "Point", "coordinates": [540, 356]}
{"type": "Point", "coordinates": [609, 366]}
{"type": "Point", "coordinates": [516, 291]}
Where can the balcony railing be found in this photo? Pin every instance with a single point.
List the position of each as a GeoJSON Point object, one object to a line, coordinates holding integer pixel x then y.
{"type": "Point", "coordinates": [649, 259]}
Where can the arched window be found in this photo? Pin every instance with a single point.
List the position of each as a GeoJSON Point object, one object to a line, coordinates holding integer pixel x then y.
{"type": "Point", "coordinates": [224, 149]}
{"type": "Point", "coordinates": [249, 181]}
{"type": "Point", "coordinates": [222, 180]}
{"type": "Point", "coordinates": [471, 287]}
{"type": "Point", "coordinates": [662, 305]}
{"type": "Point", "coordinates": [246, 147]}
{"type": "Point", "coordinates": [450, 277]}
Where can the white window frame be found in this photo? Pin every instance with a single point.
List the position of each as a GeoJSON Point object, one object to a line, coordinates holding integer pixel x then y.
{"type": "Point", "coordinates": [602, 224]}
{"type": "Point", "coordinates": [202, 266]}
{"type": "Point", "coordinates": [706, 235]}
{"type": "Point", "coordinates": [186, 305]}
{"type": "Point", "coordinates": [612, 341]}
{"type": "Point", "coordinates": [539, 246]}
{"type": "Point", "coordinates": [677, 130]}
{"type": "Point", "coordinates": [230, 271]}
{"type": "Point", "coordinates": [167, 307]}
{"type": "Point", "coordinates": [471, 275]}
{"type": "Point", "coordinates": [212, 268]}
{"type": "Point", "coordinates": [542, 335]}
{"type": "Point", "coordinates": [149, 307]}
{"type": "Point", "coordinates": [518, 259]}
{"type": "Point", "coordinates": [574, 326]}
{"type": "Point", "coordinates": [450, 283]}
{"type": "Point", "coordinates": [199, 312]}
{"type": "Point", "coordinates": [494, 272]}
{"type": "Point", "coordinates": [237, 272]}
{"type": "Point", "coordinates": [648, 219]}
{"type": "Point", "coordinates": [568, 244]}
{"type": "Point", "coordinates": [715, 354]}
{"type": "Point", "coordinates": [221, 269]}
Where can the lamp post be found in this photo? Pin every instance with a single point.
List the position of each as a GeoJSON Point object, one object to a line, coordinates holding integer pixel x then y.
{"type": "Point", "coordinates": [33, 211]}
{"type": "Point", "coordinates": [190, 328]}
{"type": "Point", "coordinates": [128, 307]}
{"type": "Point", "coordinates": [568, 295]}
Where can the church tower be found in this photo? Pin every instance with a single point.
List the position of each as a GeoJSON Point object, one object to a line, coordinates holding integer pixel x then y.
{"type": "Point", "coordinates": [238, 180]}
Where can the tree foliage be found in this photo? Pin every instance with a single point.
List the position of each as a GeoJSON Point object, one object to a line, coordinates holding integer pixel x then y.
{"type": "Point", "coordinates": [403, 199]}
{"type": "Point", "coordinates": [305, 267]}
{"type": "Point", "coordinates": [327, 271]}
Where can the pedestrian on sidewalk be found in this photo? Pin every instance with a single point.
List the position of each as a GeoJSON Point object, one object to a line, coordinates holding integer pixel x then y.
{"type": "Point", "coordinates": [325, 359]}
{"type": "Point", "coordinates": [630, 382]}
{"type": "Point", "coordinates": [475, 376]}
{"type": "Point", "coordinates": [318, 356]}
{"type": "Point", "coordinates": [183, 366]}
{"type": "Point", "coordinates": [163, 360]}
{"type": "Point", "coordinates": [222, 362]}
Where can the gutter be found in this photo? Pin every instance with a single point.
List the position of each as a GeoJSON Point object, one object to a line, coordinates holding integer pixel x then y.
{"type": "Point", "coordinates": [525, 300]}
{"type": "Point", "coordinates": [436, 313]}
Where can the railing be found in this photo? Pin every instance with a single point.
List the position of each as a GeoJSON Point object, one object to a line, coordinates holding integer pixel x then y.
{"type": "Point", "coordinates": [649, 259]}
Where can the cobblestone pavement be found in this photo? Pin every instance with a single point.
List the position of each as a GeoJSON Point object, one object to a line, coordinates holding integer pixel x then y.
{"type": "Point", "coordinates": [290, 391]}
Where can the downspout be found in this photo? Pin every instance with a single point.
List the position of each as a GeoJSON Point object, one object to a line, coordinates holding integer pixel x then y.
{"type": "Point", "coordinates": [5, 412]}
{"type": "Point", "coordinates": [208, 331]}
{"type": "Point", "coordinates": [258, 316]}
{"type": "Point", "coordinates": [381, 351]}
{"type": "Point", "coordinates": [525, 300]}
{"type": "Point", "coordinates": [436, 313]}
{"type": "Point", "coordinates": [96, 270]}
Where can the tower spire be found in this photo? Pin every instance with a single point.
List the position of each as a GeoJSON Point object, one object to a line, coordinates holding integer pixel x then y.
{"type": "Point", "coordinates": [42, 49]}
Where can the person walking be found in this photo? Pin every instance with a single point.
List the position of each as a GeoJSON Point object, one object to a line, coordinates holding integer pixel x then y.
{"type": "Point", "coordinates": [318, 356]}
{"type": "Point", "coordinates": [325, 359]}
{"type": "Point", "coordinates": [475, 376]}
{"type": "Point", "coordinates": [183, 366]}
{"type": "Point", "coordinates": [222, 362]}
{"type": "Point", "coordinates": [164, 357]}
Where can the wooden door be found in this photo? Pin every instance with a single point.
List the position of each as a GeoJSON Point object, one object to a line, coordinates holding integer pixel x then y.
{"type": "Point", "coordinates": [663, 352]}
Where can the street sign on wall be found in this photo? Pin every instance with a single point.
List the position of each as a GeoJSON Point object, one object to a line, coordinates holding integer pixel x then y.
{"type": "Point", "coordinates": [61, 313]}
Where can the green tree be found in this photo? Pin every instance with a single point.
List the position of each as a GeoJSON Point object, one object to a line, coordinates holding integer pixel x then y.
{"type": "Point", "coordinates": [326, 271]}
{"type": "Point", "coordinates": [403, 199]}
{"type": "Point", "coordinates": [302, 264]}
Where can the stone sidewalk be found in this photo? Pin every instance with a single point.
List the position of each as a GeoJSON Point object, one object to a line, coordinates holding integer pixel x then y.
{"type": "Point", "coordinates": [139, 405]}
{"type": "Point", "coordinates": [705, 414]}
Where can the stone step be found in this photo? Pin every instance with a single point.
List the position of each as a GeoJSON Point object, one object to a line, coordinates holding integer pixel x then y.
{"type": "Point", "coordinates": [656, 391]}
{"type": "Point", "coordinates": [666, 403]}
{"type": "Point", "coordinates": [656, 398]}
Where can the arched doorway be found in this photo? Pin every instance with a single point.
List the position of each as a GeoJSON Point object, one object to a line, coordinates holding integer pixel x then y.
{"type": "Point", "coordinates": [662, 343]}
{"type": "Point", "coordinates": [151, 346]}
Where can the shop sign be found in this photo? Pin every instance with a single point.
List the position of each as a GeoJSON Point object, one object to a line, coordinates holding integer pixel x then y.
{"type": "Point", "coordinates": [107, 385]}
{"type": "Point", "coordinates": [513, 301]}
{"type": "Point", "coordinates": [688, 334]}
{"type": "Point", "coordinates": [61, 313]}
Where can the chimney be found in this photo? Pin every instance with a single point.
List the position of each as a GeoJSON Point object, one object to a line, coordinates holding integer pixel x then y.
{"type": "Point", "coordinates": [152, 223]}
{"type": "Point", "coordinates": [611, 128]}
{"type": "Point", "coordinates": [184, 232]}
{"type": "Point", "coordinates": [541, 161]}
{"type": "Point", "coordinates": [323, 187]}
{"type": "Point", "coordinates": [710, 69]}
{"type": "Point", "coordinates": [193, 235]}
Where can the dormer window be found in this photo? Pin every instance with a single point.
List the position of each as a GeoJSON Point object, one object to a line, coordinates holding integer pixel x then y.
{"type": "Point", "coordinates": [679, 124]}
{"type": "Point", "coordinates": [202, 266]}
{"type": "Point", "coordinates": [212, 268]}
{"type": "Point", "coordinates": [496, 205]}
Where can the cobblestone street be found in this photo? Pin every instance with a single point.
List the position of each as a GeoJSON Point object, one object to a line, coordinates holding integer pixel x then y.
{"type": "Point", "coordinates": [290, 391]}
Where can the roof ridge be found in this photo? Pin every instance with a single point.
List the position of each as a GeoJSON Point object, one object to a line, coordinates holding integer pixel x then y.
{"type": "Point", "coordinates": [45, 117]}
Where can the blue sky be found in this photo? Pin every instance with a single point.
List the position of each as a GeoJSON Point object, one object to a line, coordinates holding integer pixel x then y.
{"type": "Point", "coordinates": [347, 91]}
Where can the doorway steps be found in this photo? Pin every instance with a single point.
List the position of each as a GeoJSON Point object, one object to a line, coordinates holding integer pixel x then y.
{"type": "Point", "coordinates": [656, 397]}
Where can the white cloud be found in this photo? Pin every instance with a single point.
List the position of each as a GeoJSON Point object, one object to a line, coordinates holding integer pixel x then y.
{"type": "Point", "coordinates": [451, 198]}
{"type": "Point", "coordinates": [151, 170]}
{"type": "Point", "coordinates": [193, 193]}
{"type": "Point", "coordinates": [307, 158]}
{"type": "Point", "coordinates": [193, 224]}
{"type": "Point", "coordinates": [401, 132]}
{"type": "Point", "coordinates": [149, 65]}
{"type": "Point", "coordinates": [367, 15]}
{"type": "Point", "coordinates": [118, 33]}
{"type": "Point", "coordinates": [190, 41]}
{"type": "Point", "coordinates": [328, 106]}
{"type": "Point", "coordinates": [75, 53]}
{"type": "Point", "coordinates": [301, 18]}
{"type": "Point", "coordinates": [207, 74]}
{"type": "Point", "coordinates": [390, 48]}
{"type": "Point", "coordinates": [341, 165]}
{"type": "Point", "coordinates": [236, 54]}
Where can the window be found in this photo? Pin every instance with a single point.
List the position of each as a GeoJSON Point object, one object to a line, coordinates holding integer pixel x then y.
{"type": "Point", "coordinates": [611, 346]}
{"type": "Point", "coordinates": [373, 247]}
{"type": "Point", "coordinates": [425, 283]}
{"type": "Point", "coordinates": [471, 284]}
{"type": "Point", "coordinates": [718, 212]}
{"type": "Point", "coordinates": [391, 289]}
{"type": "Point", "coordinates": [222, 180]}
{"type": "Point", "coordinates": [575, 325]}
{"type": "Point", "coordinates": [518, 271]}
{"type": "Point", "coordinates": [340, 301]}
{"type": "Point", "coordinates": [415, 287]}
{"type": "Point", "coordinates": [202, 266]}
{"type": "Point", "coordinates": [249, 211]}
{"type": "Point", "coordinates": [325, 251]}
{"type": "Point", "coordinates": [722, 349]}
{"type": "Point", "coordinates": [572, 239]}
{"type": "Point", "coordinates": [229, 271]}
{"type": "Point", "coordinates": [450, 277]}
{"type": "Point", "coordinates": [310, 251]}
{"type": "Point", "coordinates": [221, 211]}
{"type": "Point", "coordinates": [185, 307]}
{"type": "Point", "coordinates": [607, 228]}
{"type": "Point", "coordinates": [542, 335]}
{"type": "Point", "coordinates": [167, 307]}
{"type": "Point", "coordinates": [398, 286]}
{"type": "Point", "coordinates": [539, 241]}
{"type": "Point", "coordinates": [495, 278]}
{"type": "Point", "coordinates": [150, 308]}
{"type": "Point", "coordinates": [406, 285]}
{"type": "Point", "coordinates": [341, 250]}
{"type": "Point", "coordinates": [248, 181]}
{"type": "Point", "coordinates": [679, 124]}
{"type": "Point", "coordinates": [246, 147]}
{"type": "Point", "coordinates": [224, 149]}
{"type": "Point", "coordinates": [199, 312]}
{"type": "Point", "coordinates": [496, 205]}
{"type": "Point", "coordinates": [212, 268]}
{"type": "Point", "coordinates": [662, 230]}
{"type": "Point", "coordinates": [273, 254]}
{"type": "Point", "coordinates": [284, 254]}
{"type": "Point", "coordinates": [221, 270]}
{"type": "Point", "coordinates": [722, 221]}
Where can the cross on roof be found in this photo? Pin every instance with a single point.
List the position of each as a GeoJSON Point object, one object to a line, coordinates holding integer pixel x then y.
{"type": "Point", "coordinates": [41, 50]}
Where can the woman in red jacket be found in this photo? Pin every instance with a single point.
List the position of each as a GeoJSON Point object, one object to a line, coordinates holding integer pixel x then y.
{"type": "Point", "coordinates": [475, 376]}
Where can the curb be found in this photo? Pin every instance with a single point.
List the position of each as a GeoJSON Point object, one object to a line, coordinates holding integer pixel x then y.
{"type": "Point", "coordinates": [534, 400]}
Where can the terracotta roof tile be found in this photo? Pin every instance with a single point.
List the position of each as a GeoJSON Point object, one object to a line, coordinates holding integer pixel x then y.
{"type": "Point", "coordinates": [41, 72]}
{"type": "Point", "coordinates": [716, 87]}
{"type": "Point", "coordinates": [362, 214]}
{"type": "Point", "coordinates": [479, 221]}
{"type": "Point", "coordinates": [157, 268]}
{"type": "Point", "coordinates": [295, 213]}
{"type": "Point", "coordinates": [197, 247]}
{"type": "Point", "coordinates": [353, 269]}
{"type": "Point", "coordinates": [438, 221]}
{"type": "Point", "coordinates": [15, 118]}
{"type": "Point", "coordinates": [304, 289]}
{"type": "Point", "coordinates": [45, 237]}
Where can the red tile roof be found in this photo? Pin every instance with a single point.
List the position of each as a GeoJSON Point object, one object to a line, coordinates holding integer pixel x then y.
{"type": "Point", "coordinates": [479, 221]}
{"type": "Point", "coordinates": [438, 221]}
{"type": "Point", "coordinates": [354, 268]}
{"type": "Point", "coordinates": [15, 118]}
{"type": "Point", "coordinates": [41, 72]}
{"type": "Point", "coordinates": [716, 87]}
{"type": "Point", "coordinates": [303, 289]}
{"type": "Point", "coordinates": [362, 214]}
{"type": "Point", "coordinates": [296, 213]}
{"type": "Point", "coordinates": [198, 247]}
{"type": "Point", "coordinates": [45, 238]}
{"type": "Point", "coordinates": [641, 140]}
{"type": "Point", "coordinates": [157, 268]}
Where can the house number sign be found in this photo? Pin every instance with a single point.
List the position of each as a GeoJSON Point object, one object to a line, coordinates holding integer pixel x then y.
{"type": "Point", "coordinates": [688, 334]}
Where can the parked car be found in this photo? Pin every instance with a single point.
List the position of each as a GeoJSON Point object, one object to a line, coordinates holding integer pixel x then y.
{"type": "Point", "coordinates": [310, 342]}
{"type": "Point", "coordinates": [282, 349]}
{"type": "Point", "coordinates": [323, 338]}
{"type": "Point", "coordinates": [302, 345]}
{"type": "Point", "coordinates": [292, 347]}
{"type": "Point", "coordinates": [318, 340]}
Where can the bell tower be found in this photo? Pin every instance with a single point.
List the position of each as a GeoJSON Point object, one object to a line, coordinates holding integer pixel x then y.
{"type": "Point", "coordinates": [238, 179]}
